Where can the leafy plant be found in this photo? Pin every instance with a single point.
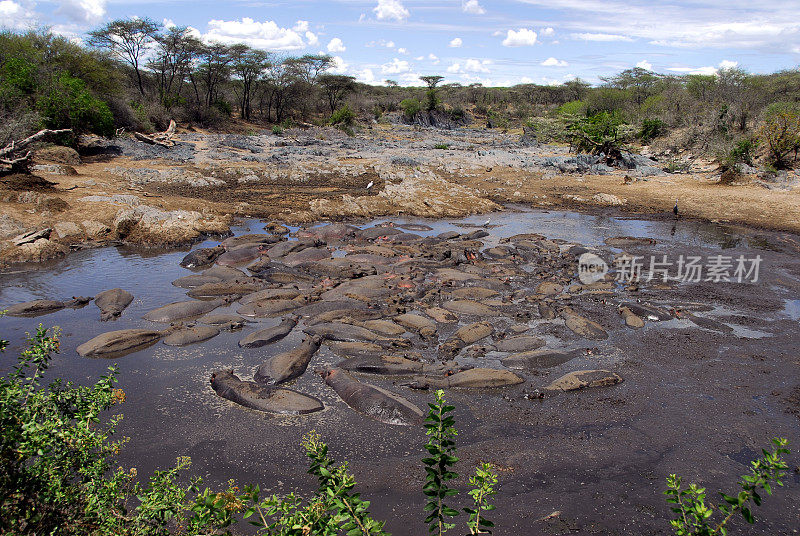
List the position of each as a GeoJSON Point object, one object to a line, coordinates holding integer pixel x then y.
{"type": "Point", "coordinates": [69, 104]}
{"type": "Point", "coordinates": [483, 482]}
{"type": "Point", "coordinates": [601, 133]}
{"type": "Point", "coordinates": [344, 116]}
{"type": "Point", "coordinates": [695, 517]}
{"type": "Point", "coordinates": [277, 130]}
{"type": "Point", "coordinates": [781, 133]}
{"type": "Point", "coordinates": [651, 128]}
{"type": "Point", "coordinates": [442, 146]}
{"type": "Point", "coordinates": [442, 448]}
{"type": "Point", "coordinates": [411, 107]}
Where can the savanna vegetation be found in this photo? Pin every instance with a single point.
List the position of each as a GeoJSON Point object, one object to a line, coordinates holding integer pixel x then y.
{"type": "Point", "coordinates": [59, 475]}
{"type": "Point", "coordinates": [135, 74]}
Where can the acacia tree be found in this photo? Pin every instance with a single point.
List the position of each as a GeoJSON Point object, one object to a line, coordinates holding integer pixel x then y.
{"type": "Point", "coordinates": [127, 39]}
{"type": "Point", "coordinates": [213, 71]}
{"type": "Point", "coordinates": [432, 81]}
{"type": "Point", "coordinates": [248, 65]}
{"type": "Point", "coordinates": [172, 64]}
{"type": "Point", "coordinates": [336, 87]}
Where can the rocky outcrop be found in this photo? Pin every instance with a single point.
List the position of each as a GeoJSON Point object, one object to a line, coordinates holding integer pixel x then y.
{"type": "Point", "coordinates": [148, 225]}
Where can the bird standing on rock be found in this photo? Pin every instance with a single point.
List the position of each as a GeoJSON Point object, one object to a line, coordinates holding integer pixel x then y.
{"type": "Point", "coordinates": [675, 208]}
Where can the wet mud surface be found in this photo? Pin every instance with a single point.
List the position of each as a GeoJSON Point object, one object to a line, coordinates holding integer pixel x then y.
{"type": "Point", "coordinates": [698, 398]}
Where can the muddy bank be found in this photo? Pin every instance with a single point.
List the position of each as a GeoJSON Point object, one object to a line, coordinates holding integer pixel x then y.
{"type": "Point", "coordinates": [127, 191]}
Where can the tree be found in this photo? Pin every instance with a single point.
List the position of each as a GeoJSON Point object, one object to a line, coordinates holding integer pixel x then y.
{"type": "Point", "coordinates": [213, 71]}
{"type": "Point", "coordinates": [248, 65]}
{"type": "Point", "coordinates": [128, 40]}
{"type": "Point", "coordinates": [336, 87]}
{"type": "Point", "coordinates": [432, 98]}
{"type": "Point", "coordinates": [176, 50]}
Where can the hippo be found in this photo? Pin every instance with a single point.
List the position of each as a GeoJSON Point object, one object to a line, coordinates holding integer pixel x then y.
{"type": "Point", "coordinates": [262, 337]}
{"type": "Point", "coordinates": [391, 365]}
{"type": "Point", "coordinates": [242, 255]}
{"type": "Point", "coordinates": [424, 326]}
{"type": "Point", "coordinates": [270, 294]}
{"type": "Point", "coordinates": [583, 326]}
{"type": "Point", "coordinates": [353, 316]}
{"type": "Point", "coordinates": [245, 285]}
{"type": "Point", "coordinates": [353, 350]}
{"type": "Point", "coordinates": [647, 311]}
{"type": "Point", "coordinates": [44, 307]}
{"type": "Point", "coordinates": [337, 331]}
{"type": "Point", "coordinates": [443, 316]}
{"type": "Point", "coordinates": [262, 398]}
{"type": "Point", "coordinates": [185, 309]}
{"type": "Point", "coordinates": [305, 255]}
{"type": "Point", "coordinates": [270, 308]}
{"type": "Point", "coordinates": [287, 366]}
{"type": "Point", "coordinates": [631, 319]}
{"type": "Point", "coordinates": [249, 239]}
{"type": "Point", "coordinates": [284, 248]}
{"type": "Point", "coordinates": [581, 379]}
{"type": "Point", "coordinates": [202, 257]}
{"type": "Point", "coordinates": [190, 335]}
{"type": "Point", "coordinates": [473, 293]}
{"type": "Point", "coordinates": [465, 336]}
{"type": "Point", "coordinates": [628, 241]}
{"type": "Point", "coordinates": [371, 233]}
{"type": "Point", "coordinates": [522, 343]}
{"type": "Point", "coordinates": [538, 359]}
{"type": "Point", "coordinates": [469, 307]}
{"type": "Point", "coordinates": [228, 322]}
{"type": "Point", "coordinates": [372, 401]}
{"type": "Point", "coordinates": [119, 343]}
{"type": "Point", "coordinates": [415, 227]}
{"type": "Point", "coordinates": [384, 327]}
{"type": "Point", "coordinates": [708, 323]}
{"type": "Point", "coordinates": [112, 303]}
{"type": "Point", "coordinates": [476, 378]}
{"type": "Point", "coordinates": [329, 233]}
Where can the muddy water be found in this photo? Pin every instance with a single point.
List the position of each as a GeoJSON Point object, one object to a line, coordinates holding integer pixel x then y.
{"type": "Point", "coordinates": [694, 401]}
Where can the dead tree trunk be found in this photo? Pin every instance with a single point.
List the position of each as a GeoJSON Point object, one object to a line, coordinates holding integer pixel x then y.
{"type": "Point", "coordinates": [10, 154]}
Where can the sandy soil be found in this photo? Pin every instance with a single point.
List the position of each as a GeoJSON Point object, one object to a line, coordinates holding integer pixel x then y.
{"type": "Point", "coordinates": [316, 174]}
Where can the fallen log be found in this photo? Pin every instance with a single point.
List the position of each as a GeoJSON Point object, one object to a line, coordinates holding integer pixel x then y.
{"type": "Point", "coordinates": [19, 164]}
{"type": "Point", "coordinates": [164, 139]}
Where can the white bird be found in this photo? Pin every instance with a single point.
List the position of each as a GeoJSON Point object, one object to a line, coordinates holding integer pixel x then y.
{"type": "Point", "coordinates": [487, 222]}
{"type": "Point", "coordinates": [370, 185]}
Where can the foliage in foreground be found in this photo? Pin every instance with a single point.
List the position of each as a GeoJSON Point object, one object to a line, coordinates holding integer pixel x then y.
{"type": "Point", "coordinates": [58, 475]}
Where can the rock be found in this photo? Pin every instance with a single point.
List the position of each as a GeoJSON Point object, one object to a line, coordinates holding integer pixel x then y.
{"type": "Point", "coordinates": [67, 229]}
{"type": "Point", "coordinates": [33, 236]}
{"type": "Point", "coordinates": [39, 251]}
{"type": "Point", "coordinates": [95, 229]}
{"type": "Point", "coordinates": [57, 154]}
{"type": "Point", "coordinates": [112, 303]}
{"type": "Point", "coordinates": [608, 200]}
{"type": "Point", "coordinates": [584, 327]}
{"type": "Point", "coordinates": [631, 320]}
{"type": "Point", "coordinates": [582, 379]}
{"type": "Point", "coordinates": [154, 226]}
{"type": "Point", "coordinates": [538, 359]}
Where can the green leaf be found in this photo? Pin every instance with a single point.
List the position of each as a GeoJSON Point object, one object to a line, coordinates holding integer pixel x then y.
{"type": "Point", "coordinates": [748, 516]}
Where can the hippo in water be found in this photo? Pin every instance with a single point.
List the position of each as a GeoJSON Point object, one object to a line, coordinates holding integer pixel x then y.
{"type": "Point", "coordinates": [372, 401]}
{"type": "Point", "coordinates": [242, 255]}
{"type": "Point", "coordinates": [289, 365]}
{"type": "Point", "coordinates": [44, 307]}
{"type": "Point", "coordinates": [265, 336]}
{"type": "Point", "coordinates": [202, 257]}
{"type": "Point", "coordinates": [112, 303]}
{"type": "Point", "coordinates": [119, 343]}
{"type": "Point", "coordinates": [185, 309]}
{"type": "Point", "coordinates": [262, 398]}
{"type": "Point", "coordinates": [190, 335]}
{"type": "Point", "coordinates": [477, 378]}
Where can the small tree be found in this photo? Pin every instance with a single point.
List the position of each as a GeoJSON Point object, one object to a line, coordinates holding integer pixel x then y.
{"type": "Point", "coordinates": [442, 448]}
{"type": "Point", "coordinates": [781, 133]}
{"type": "Point", "coordinates": [336, 87]}
{"type": "Point", "coordinates": [432, 99]}
{"type": "Point", "coordinates": [248, 65]}
{"type": "Point", "coordinates": [128, 39]}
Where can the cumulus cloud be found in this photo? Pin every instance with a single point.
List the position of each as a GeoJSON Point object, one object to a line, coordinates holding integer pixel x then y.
{"type": "Point", "coordinates": [338, 65]}
{"type": "Point", "coordinates": [473, 7]}
{"type": "Point", "coordinates": [601, 37]}
{"type": "Point", "coordinates": [312, 38]}
{"type": "Point", "coordinates": [553, 62]}
{"type": "Point", "coordinates": [470, 66]}
{"type": "Point", "coordinates": [433, 58]}
{"type": "Point", "coordinates": [336, 45]}
{"type": "Point", "coordinates": [646, 65]}
{"type": "Point", "coordinates": [82, 11]}
{"type": "Point", "coordinates": [390, 10]}
{"type": "Point", "coordinates": [264, 35]}
{"type": "Point", "coordinates": [15, 15]}
{"type": "Point", "coordinates": [396, 66]}
{"type": "Point", "coordinates": [707, 70]}
{"type": "Point", "coordinates": [456, 43]}
{"type": "Point", "coordinates": [548, 32]}
{"type": "Point", "coordinates": [520, 38]}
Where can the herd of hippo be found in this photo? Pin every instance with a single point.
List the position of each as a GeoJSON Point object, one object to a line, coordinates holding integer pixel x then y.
{"type": "Point", "coordinates": [389, 301]}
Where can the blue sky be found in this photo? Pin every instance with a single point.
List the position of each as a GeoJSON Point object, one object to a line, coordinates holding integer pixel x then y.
{"type": "Point", "coordinates": [493, 42]}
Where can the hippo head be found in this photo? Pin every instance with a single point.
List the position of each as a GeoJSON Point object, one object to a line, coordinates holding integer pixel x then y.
{"type": "Point", "coordinates": [326, 373]}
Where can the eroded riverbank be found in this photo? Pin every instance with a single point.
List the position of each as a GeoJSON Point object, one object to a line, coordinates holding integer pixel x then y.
{"type": "Point", "coordinates": [698, 400]}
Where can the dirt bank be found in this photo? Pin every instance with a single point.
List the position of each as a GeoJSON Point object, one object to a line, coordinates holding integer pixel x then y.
{"type": "Point", "coordinates": [124, 190]}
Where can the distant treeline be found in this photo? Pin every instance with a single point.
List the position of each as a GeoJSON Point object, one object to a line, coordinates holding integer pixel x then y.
{"type": "Point", "coordinates": [136, 74]}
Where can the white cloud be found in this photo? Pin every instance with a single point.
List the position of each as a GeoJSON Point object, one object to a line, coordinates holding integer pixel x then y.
{"type": "Point", "coordinates": [456, 43]}
{"type": "Point", "coordinates": [366, 76]}
{"type": "Point", "coordinates": [83, 11]}
{"type": "Point", "coordinates": [601, 37]}
{"type": "Point", "coordinates": [707, 70]}
{"type": "Point", "coordinates": [264, 35]}
{"type": "Point", "coordinates": [553, 62]}
{"type": "Point", "coordinates": [454, 68]}
{"type": "Point", "coordinates": [336, 45]}
{"type": "Point", "coordinates": [312, 38]}
{"type": "Point", "coordinates": [520, 38]}
{"type": "Point", "coordinates": [470, 66]}
{"type": "Point", "coordinates": [433, 58]}
{"type": "Point", "coordinates": [646, 65]}
{"type": "Point", "coordinates": [402, 51]}
{"type": "Point", "coordinates": [168, 23]}
{"type": "Point", "coordinates": [381, 43]}
{"type": "Point", "coordinates": [390, 10]}
{"type": "Point", "coordinates": [396, 66]}
{"type": "Point", "coordinates": [16, 16]}
{"type": "Point", "coordinates": [473, 7]}
{"type": "Point", "coordinates": [548, 32]}
{"type": "Point", "coordinates": [300, 26]}
{"type": "Point", "coordinates": [339, 66]}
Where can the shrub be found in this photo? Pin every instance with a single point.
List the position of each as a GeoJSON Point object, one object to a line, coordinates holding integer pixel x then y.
{"type": "Point", "coordinates": [223, 106]}
{"type": "Point", "coordinates": [458, 114]}
{"type": "Point", "coordinates": [574, 108]}
{"type": "Point", "coordinates": [344, 116]}
{"type": "Point", "coordinates": [442, 146]}
{"type": "Point", "coordinates": [411, 107]}
{"type": "Point", "coordinates": [69, 104]}
{"type": "Point", "coordinates": [277, 130]}
{"type": "Point", "coordinates": [602, 133]}
{"type": "Point", "coordinates": [781, 133]}
{"type": "Point", "coordinates": [651, 128]}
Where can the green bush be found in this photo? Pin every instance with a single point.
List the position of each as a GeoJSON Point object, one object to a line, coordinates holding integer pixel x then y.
{"type": "Point", "coordinates": [344, 116]}
{"type": "Point", "coordinates": [277, 130]}
{"type": "Point", "coordinates": [442, 146]}
{"type": "Point", "coordinates": [602, 133]}
{"type": "Point", "coordinates": [781, 133]}
{"type": "Point", "coordinates": [575, 108]}
{"type": "Point", "coordinates": [69, 104]}
{"type": "Point", "coordinates": [411, 107]}
{"type": "Point", "coordinates": [457, 114]}
{"type": "Point", "coordinates": [651, 128]}
{"type": "Point", "coordinates": [223, 106]}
